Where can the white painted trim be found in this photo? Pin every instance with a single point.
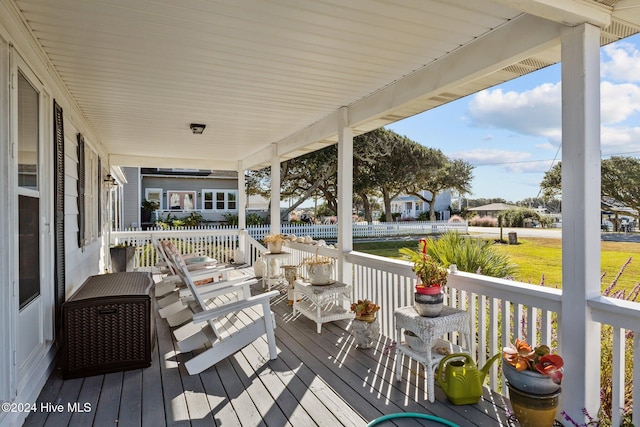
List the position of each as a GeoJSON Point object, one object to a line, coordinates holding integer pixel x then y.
{"type": "Point", "coordinates": [7, 301]}
{"type": "Point", "coordinates": [275, 190]}
{"type": "Point", "coordinates": [345, 195]}
{"type": "Point", "coordinates": [165, 162]}
{"type": "Point", "coordinates": [568, 12]}
{"type": "Point", "coordinates": [580, 211]}
{"type": "Point", "coordinates": [242, 204]}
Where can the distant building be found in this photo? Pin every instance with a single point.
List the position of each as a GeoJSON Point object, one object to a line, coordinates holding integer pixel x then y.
{"type": "Point", "coordinates": [492, 210]}
{"type": "Point", "coordinates": [178, 192]}
{"type": "Point", "coordinates": [409, 206]}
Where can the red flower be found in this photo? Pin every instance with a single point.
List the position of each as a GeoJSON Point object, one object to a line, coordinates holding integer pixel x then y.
{"type": "Point", "coordinates": [551, 365]}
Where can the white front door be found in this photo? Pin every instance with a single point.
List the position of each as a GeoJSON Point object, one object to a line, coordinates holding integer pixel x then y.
{"type": "Point", "coordinates": [33, 325]}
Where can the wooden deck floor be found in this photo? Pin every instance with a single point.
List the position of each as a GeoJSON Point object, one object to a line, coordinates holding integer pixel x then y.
{"type": "Point", "coordinates": [318, 379]}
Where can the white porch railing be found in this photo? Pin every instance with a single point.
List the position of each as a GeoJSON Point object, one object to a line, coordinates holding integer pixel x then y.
{"type": "Point", "coordinates": [533, 311]}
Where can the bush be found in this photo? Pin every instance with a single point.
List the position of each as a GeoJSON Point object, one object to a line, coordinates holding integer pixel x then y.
{"type": "Point", "coordinates": [470, 255]}
{"type": "Point", "coordinates": [483, 221]}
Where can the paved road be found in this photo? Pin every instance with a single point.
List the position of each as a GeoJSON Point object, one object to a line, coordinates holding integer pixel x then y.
{"type": "Point", "coordinates": [494, 232]}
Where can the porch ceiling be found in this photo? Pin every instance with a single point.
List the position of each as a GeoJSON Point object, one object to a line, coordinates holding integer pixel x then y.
{"type": "Point", "coordinates": [263, 72]}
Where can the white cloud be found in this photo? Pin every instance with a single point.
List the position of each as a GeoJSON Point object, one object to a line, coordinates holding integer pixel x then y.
{"type": "Point", "coordinates": [547, 146]}
{"type": "Point", "coordinates": [621, 62]}
{"type": "Point", "coordinates": [532, 112]}
{"type": "Point", "coordinates": [508, 161]}
{"type": "Point", "coordinates": [537, 112]}
{"type": "Point", "coordinates": [620, 140]}
{"type": "Point", "coordinates": [618, 101]}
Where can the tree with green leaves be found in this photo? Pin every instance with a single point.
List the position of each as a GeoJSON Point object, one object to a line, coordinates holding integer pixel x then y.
{"type": "Point", "coordinates": [620, 181]}
{"type": "Point", "coordinates": [439, 174]}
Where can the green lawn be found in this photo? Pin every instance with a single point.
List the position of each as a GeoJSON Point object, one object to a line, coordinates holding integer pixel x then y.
{"type": "Point", "coordinates": [538, 257]}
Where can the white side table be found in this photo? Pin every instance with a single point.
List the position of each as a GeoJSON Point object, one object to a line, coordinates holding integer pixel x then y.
{"type": "Point", "coordinates": [272, 275]}
{"type": "Point", "coordinates": [429, 329]}
{"type": "Point", "coordinates": [322, 303]}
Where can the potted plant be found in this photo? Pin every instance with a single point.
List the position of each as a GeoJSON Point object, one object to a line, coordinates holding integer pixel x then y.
{"type": "Point", "coordinates": [365, 326]}
{"type": "Point", "coordinates": [319, 269]}
{"type": "Point", "coordinates": [365, 310]}
{"type": "Point", "coordinates": [147, 208]}
{"type": "Point", "coordinates": [274, 242]}
{"type": "Point", "coordinates": [533, 376]}
{"type": "Point", "coordinates": [432, 277]}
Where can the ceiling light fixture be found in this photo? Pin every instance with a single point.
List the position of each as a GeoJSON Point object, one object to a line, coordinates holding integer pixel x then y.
{"type": "Point", "coordinates": [197, 128]}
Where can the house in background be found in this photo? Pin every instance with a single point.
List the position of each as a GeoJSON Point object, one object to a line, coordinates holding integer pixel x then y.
{"type": "Point", "coordinates": [492, 210]}
{"type": "Point", "coordinates": [178, 192]}
{"type": "Point", "coordinates": [409, 206]}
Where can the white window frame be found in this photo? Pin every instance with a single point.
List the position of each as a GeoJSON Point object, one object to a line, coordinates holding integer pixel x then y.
{"type": "Point", "coordinates": [160, 199]}
{"type": "Point", "coordinates": [227, 196]}
{"type": "Point", "coordinates": [182, 193]}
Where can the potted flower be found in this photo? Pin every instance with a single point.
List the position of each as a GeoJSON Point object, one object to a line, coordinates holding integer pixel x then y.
{"type": "Point", "coordinates": [365, 326]}
{"type": "Point", "coordinates": [432, 277]}
{"type": "Point", "coordinates": [534, 370]}
{"type": "Point", "coordinates": [274, 242]}
{"type": "Point", "coordinates": [533, 377]}
{"type": "Point", "coordinates": [365, 310]}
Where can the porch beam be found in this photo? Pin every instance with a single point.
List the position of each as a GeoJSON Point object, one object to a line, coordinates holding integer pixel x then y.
{"type": "Point", "coordinates": [345, 195]}
{"type": "Point", "coordinates": [580, 333]}
{"type": "Point", "coordinates": [275, 190]}
{"type": "Point", "coordinates": [171, 162]}
{"type": "Point", "coordinates": [567, 12]}
{"type": "Point", "coordinates": [519, 39]}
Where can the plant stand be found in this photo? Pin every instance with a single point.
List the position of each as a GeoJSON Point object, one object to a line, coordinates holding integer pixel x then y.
{"type": "Point", "coordinates": [365, 333]}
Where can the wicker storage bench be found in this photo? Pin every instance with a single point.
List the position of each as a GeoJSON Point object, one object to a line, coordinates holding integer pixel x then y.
{"type": "Point", "coordinates": [109, 325]}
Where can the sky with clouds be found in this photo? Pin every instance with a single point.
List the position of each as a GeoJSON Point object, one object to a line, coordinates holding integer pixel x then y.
{"type": "Point", "coordinates": [511, 133]}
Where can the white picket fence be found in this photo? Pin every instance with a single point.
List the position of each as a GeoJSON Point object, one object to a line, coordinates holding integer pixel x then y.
{"type": "Point", "coordinates": [330, 231]}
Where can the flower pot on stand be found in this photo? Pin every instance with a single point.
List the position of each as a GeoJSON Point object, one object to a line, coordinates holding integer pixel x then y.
{"type": "Point", "coordinates": [428, 301]}
{"type": "Point", "coordinates": [275, 247]}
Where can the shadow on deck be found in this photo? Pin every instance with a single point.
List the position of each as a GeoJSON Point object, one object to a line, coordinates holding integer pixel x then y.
{"type": "Point", "coordinates": [318, 379]}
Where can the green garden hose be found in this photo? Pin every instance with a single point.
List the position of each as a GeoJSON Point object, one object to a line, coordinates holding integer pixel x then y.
{"type": "Point", "coordinates": [411, 415]}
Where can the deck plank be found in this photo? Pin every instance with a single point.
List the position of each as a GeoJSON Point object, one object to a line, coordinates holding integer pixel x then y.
{"type": "Point", "coordinates": [152, 413]}
{"type": "Point", "coordinates": [317, 379]}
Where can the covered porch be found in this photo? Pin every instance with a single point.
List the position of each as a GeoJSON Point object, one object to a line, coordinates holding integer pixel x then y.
{"type": "Point", "coordinates": [272, 81]}
{"type": "Point", "coordinates": [318, 379]}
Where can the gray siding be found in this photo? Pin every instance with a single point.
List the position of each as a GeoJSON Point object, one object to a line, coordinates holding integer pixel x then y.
{"type": "Point", "coordinates": [131, 198]}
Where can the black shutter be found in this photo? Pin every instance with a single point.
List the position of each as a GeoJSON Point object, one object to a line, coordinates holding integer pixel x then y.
{"type": "Point", "coordinates": [58, 140]}
{"type": "Point", "coordinates": [81, 191]}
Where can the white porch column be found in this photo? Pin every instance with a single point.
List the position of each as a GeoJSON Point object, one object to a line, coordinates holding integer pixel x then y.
{"type": "Point", "coordinates": [345, 195]}
{"type": "Point", "coordinates": [580, 335]}
{"type": "Point", "coordinates": [242, 201]}
{"type": "Point", "coordinates": [242, 214]}
{"type": "Point", "coordinates": [275, 190]}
